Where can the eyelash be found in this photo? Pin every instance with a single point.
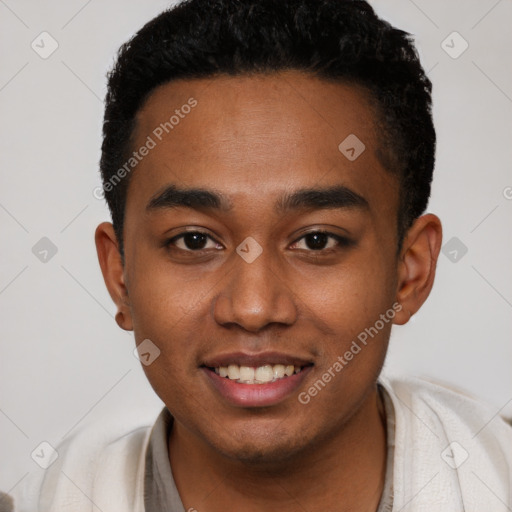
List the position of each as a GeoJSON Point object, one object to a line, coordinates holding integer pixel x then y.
{"type": "Point", "coordinates": [342, 241]}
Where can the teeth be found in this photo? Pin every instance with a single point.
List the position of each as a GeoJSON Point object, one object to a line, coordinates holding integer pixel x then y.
{"type": "Point", "coordinates": [233, 371]}
{"type": "Point", "coordinates": [278, 371]}
{"type": "Point", "coordinates": [246, 374]}
{"type": "Point", "coordinates": [260, 375]}
{"type": "Point", "coordinates": [264, 374]}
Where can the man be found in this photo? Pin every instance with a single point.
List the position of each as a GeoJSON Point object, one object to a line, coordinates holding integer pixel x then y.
{"type": "Point", "coordinates": [267, 165]}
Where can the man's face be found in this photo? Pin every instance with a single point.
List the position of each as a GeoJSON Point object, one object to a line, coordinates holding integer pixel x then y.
{"type": "Point", "coordinates": [254, 142]}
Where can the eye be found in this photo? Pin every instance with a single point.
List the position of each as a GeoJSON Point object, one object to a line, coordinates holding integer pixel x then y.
{"type": "Point", "coordinates": [192, 241]}
{"type": "Point", "coordinates": [315, 241]}
{"type": "Point", "coordinates": [321, 241]}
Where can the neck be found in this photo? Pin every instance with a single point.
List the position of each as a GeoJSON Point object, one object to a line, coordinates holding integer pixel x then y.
{"type": "Point", "coordinates": [343, 472]}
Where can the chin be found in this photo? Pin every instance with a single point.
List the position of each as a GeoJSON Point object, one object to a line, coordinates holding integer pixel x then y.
{"type": "Point", "coordinates": [265, 448]}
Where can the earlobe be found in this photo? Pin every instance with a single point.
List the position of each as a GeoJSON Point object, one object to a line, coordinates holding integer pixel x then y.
{"type": "Point", "coordinates": [417, 265]}
{"type": "Point", "coordinates": [109, 258]}
{"type": "Point", "coordinates": [122, 321]}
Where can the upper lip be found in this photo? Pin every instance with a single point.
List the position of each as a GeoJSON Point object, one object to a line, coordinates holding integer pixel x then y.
{"type": "Point", "coordinates": [254, 360]}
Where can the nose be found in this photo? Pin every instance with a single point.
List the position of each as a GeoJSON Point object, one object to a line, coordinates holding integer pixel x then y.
{"type": "Point", "coordinates": [255, 295]}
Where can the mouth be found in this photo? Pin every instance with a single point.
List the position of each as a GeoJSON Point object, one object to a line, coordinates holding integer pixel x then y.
{"type": "Point", "coordinates": [256, 380]}
{"type": "Point", "coordinates": [263, 374]}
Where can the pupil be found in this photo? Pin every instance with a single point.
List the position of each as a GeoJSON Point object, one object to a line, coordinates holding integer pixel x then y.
{"type": "Point", "coordinates": [195, 240]}
{"type": "Point", "coordinates": [316, 240]}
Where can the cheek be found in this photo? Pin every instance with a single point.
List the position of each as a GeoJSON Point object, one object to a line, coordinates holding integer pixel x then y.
{"type": "Point", "coordinates": [167, 310]}
{"type": "Point", "coordinates": [352, 297]}
{"type": "Point", "coordinates": [162, 299]}
{"type": "Point", "coordinates": [354, 348]}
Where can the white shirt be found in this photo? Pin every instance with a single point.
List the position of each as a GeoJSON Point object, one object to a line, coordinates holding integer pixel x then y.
{"type": "Point", "coordinates": [451, 454]}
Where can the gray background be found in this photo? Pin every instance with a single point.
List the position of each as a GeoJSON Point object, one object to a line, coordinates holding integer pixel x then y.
{"type": "Point", "coordinates": [64, 361]}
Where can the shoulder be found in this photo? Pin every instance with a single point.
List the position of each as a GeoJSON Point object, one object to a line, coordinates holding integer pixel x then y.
{"type": "Point", "coordinates": [443, 400]}
{"type": "Point", "coordinates": [457, 446]}
{"type": "Point", "coordinates": [100, 465]}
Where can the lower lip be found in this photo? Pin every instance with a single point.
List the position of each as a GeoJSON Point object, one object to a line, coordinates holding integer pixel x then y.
{"type": "Point", "coordinates": [256, 395]}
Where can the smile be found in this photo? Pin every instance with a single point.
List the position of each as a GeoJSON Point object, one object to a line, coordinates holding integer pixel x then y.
{"type": "Point", "coordinates": [257, 375]}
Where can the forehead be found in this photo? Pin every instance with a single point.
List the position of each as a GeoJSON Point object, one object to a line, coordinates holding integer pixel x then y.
{"type": "Point", "coordinates": [256, 135]}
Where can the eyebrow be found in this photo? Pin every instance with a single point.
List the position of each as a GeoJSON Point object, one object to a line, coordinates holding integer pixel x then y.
{"type": "Point", "coordinates": [334, 197]}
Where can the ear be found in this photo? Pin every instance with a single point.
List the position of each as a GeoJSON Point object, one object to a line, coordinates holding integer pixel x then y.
{"type": "Point", "coordinates": [417, 265]}
{"type": "Point", "coordinates": [112, 269]}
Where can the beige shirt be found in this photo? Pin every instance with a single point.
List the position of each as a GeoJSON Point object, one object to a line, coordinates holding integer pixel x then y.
{"type": "Point", "coordinates": [161, 494]}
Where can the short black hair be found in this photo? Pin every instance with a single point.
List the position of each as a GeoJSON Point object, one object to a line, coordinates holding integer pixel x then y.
{"type": "Point", "coordinates": [340, 40]}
